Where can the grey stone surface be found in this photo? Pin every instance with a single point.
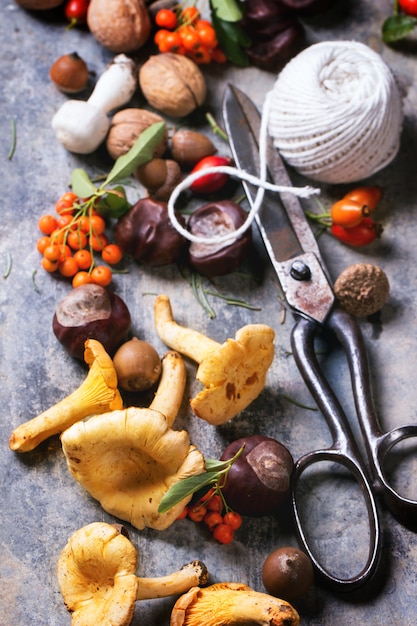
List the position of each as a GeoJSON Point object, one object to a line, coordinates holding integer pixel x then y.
{"type": "Point", "coordinates": [40, 503]}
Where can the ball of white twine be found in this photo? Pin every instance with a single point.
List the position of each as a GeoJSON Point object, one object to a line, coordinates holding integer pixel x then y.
{"type": "Point", "coordinates": [336, 112]}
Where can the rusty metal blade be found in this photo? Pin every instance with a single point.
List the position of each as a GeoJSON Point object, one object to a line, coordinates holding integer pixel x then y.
{"type": "Point", "coordinates": [284, 228]}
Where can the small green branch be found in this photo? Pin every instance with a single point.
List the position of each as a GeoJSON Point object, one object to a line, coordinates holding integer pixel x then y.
{"type": "Point", "coordinates": [299, 404]}
{"type": "Point", "coordinates": [232, 301]}
{"type": "Point", "coordinates": [13, 143]}
{"type": "Point", "coordinates": [215, 127]}
{"type": "Point", "coordinates": [8, 265]}
{"type": "Point", "coordinates": [35, 286]}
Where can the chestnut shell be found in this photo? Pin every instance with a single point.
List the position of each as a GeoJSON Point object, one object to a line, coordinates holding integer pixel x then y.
{"type": "Point", "coordinates": [259, 481]}
{"type": "Point", "coordinates": [102, 315]}
{"type": "Point", "coordinates": [213, 260]}
{"type": "Point", "coordinates": [146, 233]}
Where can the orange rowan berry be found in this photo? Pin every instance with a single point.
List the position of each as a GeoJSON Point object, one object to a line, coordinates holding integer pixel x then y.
{"type": "Point", "coordinates": [102, 275]}
{"type": "Point", "coordinates": [81, 278]}
{"type": "Point", "coordinates": [47, 224]}
{"type": "Point", "coordinates": [68, 267]}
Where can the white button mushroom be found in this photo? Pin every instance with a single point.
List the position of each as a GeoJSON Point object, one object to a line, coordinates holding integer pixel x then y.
{"type": "Point", "coordinates": [81, 125]}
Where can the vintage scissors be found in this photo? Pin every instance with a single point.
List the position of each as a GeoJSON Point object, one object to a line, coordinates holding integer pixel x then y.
{"type": "Point", "coordinates": [304, 279]}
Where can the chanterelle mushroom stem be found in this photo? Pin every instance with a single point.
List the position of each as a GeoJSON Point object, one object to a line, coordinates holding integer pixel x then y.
{"type": "Point", "coordinates": [96, 575]}
{"type": "Point", "coordinates": [233, 373]}
{"type": "Point", "coordinates": [187, 341]}
{"type": "Point", "coordinates": [228, 604]}
{"type": "Point", "coordinates": [169, 394]}
{"type": "Point", "coordinates": [190, 575]}
{"type": "Point", "coordinates": [97, 394]}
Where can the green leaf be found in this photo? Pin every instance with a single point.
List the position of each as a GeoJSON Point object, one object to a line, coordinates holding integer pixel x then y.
{"type": "Point", "coordinates": [183, 489]}
{"type": "Point", "coordinates": [81, 183]}
{"type": "Point", "coordinates": [232, 39]}
{"type": "Point", "coordinates": [212, 465]}
{"type": "Point", "coordinates": [227, 10]}
{"type": "Point", "coordinates": [142, 151]}
{"type": "Point", "coordinates": [113, 203]}
{"type": "Point", "coordinates": [397, 27]}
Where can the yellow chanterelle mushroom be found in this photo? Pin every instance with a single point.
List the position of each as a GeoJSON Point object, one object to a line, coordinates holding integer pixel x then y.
{"type": "Point", "coordinates": [128, 459]}
{"type": "Point", "coordinates": [97, 394]}
{"type": "Point", "coordinates": [229, 604]}
{"type": "Point", "coordinates": [96, 575]}
{"type": "Point", "coordinates": [233, 373]}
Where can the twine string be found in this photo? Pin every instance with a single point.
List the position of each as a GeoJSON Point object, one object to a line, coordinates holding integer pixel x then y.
{"type": "Point", "coordinates": [259, 181]}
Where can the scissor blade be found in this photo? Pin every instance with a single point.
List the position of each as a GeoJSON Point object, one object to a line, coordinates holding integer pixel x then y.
{"type": "Point", "coordinates": [288, 238]}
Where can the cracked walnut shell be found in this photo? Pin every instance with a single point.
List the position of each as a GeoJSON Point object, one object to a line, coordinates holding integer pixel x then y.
{"type": "Point", "coordinates": [126, 126]}
{"type": "Point", "coordinates": [172, 84]}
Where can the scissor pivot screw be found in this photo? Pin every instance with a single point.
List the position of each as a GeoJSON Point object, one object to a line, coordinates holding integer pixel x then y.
{"type": "Point", "coordinates": [300, 271]}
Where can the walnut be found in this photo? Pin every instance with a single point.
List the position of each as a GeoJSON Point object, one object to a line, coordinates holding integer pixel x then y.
{"type": "Point", "coordinates": [120, 26]}
{"type": "Point", "coordinates": [362, 289]}
{"type": "Point", "coordinates": [126, 126]}
{"type": "Point", "coordinates": [172, 84]}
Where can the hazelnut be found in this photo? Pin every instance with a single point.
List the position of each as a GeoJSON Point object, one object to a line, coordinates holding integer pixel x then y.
{"type": "Point", "coordinates": [362, 289]}
{"type": "Point", "coordinates": [122, 26]}
{"type": "Point", "coordinates": [69, 73]}
{"type": "Point", "coordinates": [172, 84]}
{"type": "Point", "coordinates": [188, 147]}
{"type": "Point", "coordinates": [159, 177]}
{"type": "Point", "coordinates": [126, 126]}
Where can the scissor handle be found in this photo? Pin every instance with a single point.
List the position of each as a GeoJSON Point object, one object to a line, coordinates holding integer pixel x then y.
{"type": "Point", "coordinates": [343, 451]}
{"type": "Point", "coordinates": [358, 580]}
{"type": "Point", "coordinates": [377, 443]}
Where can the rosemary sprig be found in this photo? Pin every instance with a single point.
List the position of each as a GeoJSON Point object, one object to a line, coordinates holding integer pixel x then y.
{"type": "Point", "coordinates": [14, 136]}
{"type": "Point", "coordinates": [35, 286]}
{"type": "Point", "coordinates": [232, 301]}
{"type": "Point", "coordinates": [9, 264]}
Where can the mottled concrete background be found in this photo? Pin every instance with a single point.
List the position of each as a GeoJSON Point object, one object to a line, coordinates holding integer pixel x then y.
{"type": "Point", "coordinates": [41, 505]}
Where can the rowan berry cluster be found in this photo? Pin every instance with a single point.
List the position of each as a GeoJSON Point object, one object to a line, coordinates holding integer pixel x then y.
{"type": "Point", "coordinates": [183, 31]}
{"type": "Point", "coordinates": [213, 512]}
{"type": "Point", "coordinates": [72, 237]}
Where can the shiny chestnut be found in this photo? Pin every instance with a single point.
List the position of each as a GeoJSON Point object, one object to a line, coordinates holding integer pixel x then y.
{"type": "Point", "coordinates": [146, 233]}
{"type": "Point", "coordinates": [218, 219]}
{"type": "Point", "coordinates": [91, 312]}
{"type": "Point", "coordinates": [259, 481]}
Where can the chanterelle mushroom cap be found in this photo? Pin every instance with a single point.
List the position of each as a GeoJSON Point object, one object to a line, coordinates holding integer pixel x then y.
{"type": "Point", "coordinates": [128, 459]}
{"type": "Point", "coordinates": [234, 373]}
{"type": "Point", "coordinates": [226, 604]}
{"type": "Point", "coordinates": [97, 394]}
{"type": "Point", "coordinates": [96, 575]}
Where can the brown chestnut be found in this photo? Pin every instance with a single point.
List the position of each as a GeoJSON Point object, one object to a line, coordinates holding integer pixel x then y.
{"type": "Point", "coordinates": [146, 233]}
{"type": "Point", "coordinates": [137, 364]}
{"type": "Point", "coordinates": [287, 573]}
{"type": "Point", "coordinates": [91, 312]}
{"type": "Point", "coordinates": [259, 480]}
{"type": "Point", "coordinates": [218, 218]}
